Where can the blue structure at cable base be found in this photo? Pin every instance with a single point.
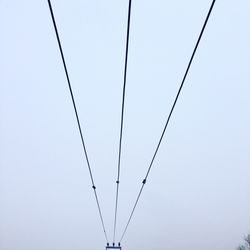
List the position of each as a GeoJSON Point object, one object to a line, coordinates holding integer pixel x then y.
{"type": "Point", "coordinates": [113, 247]}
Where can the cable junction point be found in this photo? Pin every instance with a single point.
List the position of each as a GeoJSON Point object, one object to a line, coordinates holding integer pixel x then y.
{"type": "Point", "coordinates": [114, 246]}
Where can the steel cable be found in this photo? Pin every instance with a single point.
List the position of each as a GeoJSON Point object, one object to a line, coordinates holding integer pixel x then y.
{"type": "Point", "coordinates": [77, 118]}
{"type": "Point", "coordinates": [169, 116]}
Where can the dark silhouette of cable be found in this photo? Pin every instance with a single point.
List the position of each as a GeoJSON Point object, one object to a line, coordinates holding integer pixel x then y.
{"type": "Point", "coordinates": [77, 118]}
{"type": "Point", "coordinates": [122, 115]}
{"type": "Point", "coordinates": [169, 116]}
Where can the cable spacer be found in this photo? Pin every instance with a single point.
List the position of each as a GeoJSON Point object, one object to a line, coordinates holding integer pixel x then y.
{"type": "Point", "coordinates": [117, 182]}
{"type": "Point", "coordinates": [144, 181]}
{"type": "Point", "coordinates": [94, 187]}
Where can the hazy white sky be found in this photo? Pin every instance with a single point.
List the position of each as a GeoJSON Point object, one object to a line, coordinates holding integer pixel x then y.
{"type": "Point", "coordinates": [198, 194]}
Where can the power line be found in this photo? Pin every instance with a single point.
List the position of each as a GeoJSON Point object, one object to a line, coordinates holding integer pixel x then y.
{"type": "Point", "coordinates": [169, 116]}
{"type": "Point", "coordinates": [77, 118]}
{"type": "Point", "coordinates": [122, 115]}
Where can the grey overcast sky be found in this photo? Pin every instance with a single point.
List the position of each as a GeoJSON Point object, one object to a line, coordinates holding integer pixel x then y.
{"type": "Point", "coordinates": [198, 194]}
